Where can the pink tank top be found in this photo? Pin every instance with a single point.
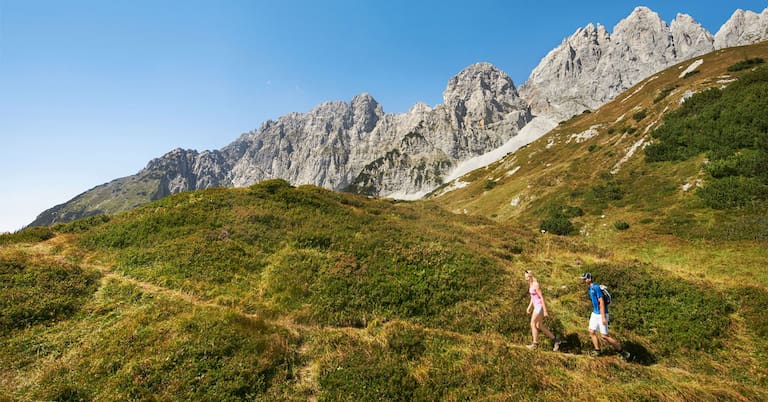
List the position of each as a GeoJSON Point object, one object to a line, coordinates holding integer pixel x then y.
{"type": "Point", "coordinates": [535, 297]}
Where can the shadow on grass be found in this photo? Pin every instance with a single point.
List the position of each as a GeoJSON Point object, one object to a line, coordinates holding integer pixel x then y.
{"type": "Point", "coordinates": [574, 345]}
{"type": "Point", "coordinates": [639, 353]}
{"type": "Point", "coordinates": [571, 344]}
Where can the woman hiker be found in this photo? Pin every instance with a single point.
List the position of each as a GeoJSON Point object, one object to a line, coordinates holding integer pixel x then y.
{"type": "Point", "coordinates": [538, 307]}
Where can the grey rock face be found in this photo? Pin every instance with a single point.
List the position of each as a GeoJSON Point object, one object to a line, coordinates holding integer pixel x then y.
{"type": "Point", "coordinates": [185, 170]}
{"type": "Point", "coordinates": [593, 66]}
{"type": "Point", "coordinates": [357, 146]}
{"type": "Point", "coordinates": [690, 38]}
{"type": "Point", "coordinates": [337, 145]}
{"type": "Point", "coordinates": [743, 28]}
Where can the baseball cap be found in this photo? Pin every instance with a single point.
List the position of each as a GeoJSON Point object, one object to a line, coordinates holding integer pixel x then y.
{"type": "Point", "coordinates": [586, 275]}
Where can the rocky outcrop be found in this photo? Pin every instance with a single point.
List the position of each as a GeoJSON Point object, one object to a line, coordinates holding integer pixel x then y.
{"type": "Point", "coordinates": [690, 39]}
{"type": "Point", "coordinates": [593, 66]}
{"type": "Point", "coordinates": [185, 170]}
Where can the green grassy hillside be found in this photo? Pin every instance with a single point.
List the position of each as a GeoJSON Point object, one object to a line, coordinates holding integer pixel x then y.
{"type": "Point", "coordinates": [274, 292]}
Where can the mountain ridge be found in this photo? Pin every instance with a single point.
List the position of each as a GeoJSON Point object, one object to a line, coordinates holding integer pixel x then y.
{"type": "Point", "coordinates": [355, 146]}
{"type": "Point", "coordinates": [592, 66]}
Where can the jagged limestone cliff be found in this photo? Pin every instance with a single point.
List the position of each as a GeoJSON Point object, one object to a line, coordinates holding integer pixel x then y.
{"type": "Point", "coordinates": [592, 66]}
{"type": "Point", "coordinates": [337, 145]}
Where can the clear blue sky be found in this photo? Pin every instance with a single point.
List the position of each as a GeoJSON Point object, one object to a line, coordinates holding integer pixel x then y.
{"type": "Point", "coordinates": [92, 90]}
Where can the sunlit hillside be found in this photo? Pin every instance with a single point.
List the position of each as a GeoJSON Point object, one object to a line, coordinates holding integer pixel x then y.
{"type": "Point", "coordinates": [274, 292]}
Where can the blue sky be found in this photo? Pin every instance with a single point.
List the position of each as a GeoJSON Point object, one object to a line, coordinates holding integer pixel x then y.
{"type": "Point", "coordinates": [92, 90]}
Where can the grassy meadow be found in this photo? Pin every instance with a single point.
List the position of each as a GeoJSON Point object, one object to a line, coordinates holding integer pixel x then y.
{"type": "Point", "coordinates": [277, 292]}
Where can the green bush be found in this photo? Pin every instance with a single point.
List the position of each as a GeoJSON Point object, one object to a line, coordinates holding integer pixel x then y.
{"type": "Point", "coordinates": [733, 192]}
{"type": "Point", "coordinates": [559, 225]}
{"type": "Point", "coordinates": [33, 234]}
{"type": "Point", "coordinates": [745, 64]}
{"type": "Point", "coordinates": [610, 191]}
{"type": "Point", "coordinates": [406, 341]}
{"type": "Point", "coordinates": [621, 225]}
{"type": "Point", "coordinates": [747, 163]}
{"type": "Point", "coordinates": [571, 211]}
{"type": "Point", "coordinates": [81, 225]}
{"type": "Point", "coordinates": [567, 211]}
{"type": "Point", "coordinates": [269, 187]}
{"type": "Point", "coordinates": [640, 115]}
{"type": "Point", "coordinates": [489, 184]}
{"type": "Point", "coordinates": [754, 304]}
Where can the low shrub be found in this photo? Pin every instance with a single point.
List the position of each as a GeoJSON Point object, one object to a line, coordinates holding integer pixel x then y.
{"type": "Point", "coordinates": [559, 225]}
{"type": "Point", "coordinates": [81, 225]}
{"type": "Point", "coordinates": [747, 163]}
{"type": "Point", "coordinates": [406, 341]}
{"type": "Point", "coordinates": [672, 314]}
{"type": "Point", "coordinates": [41, 291]}
{"type": "Point", "coordinates": [621, 225]}
{"type": "Point", "coordinates": [33, 234]}
{"type": "Point", "coordinates": [733, 192]}
{"type": "Point", "coordinates": [745, 64]}
{"type": "Point", "coordinates": [754, 304]}
{"type": "Point", "coordinates": [610, 191]}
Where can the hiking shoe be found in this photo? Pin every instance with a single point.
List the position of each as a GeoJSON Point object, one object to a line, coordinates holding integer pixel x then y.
{"type": "Point", "coordinates": [532, 346]}
{"type": "Point", "coordinates": [595, 353]}
{"type": "Point", "coordinates": [624, 355]}
{"type": "Point", "coordinates": [556, 344]}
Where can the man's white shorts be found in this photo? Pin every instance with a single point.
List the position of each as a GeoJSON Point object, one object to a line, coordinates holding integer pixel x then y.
{"type": "Point", "coordinates": [596, 323]}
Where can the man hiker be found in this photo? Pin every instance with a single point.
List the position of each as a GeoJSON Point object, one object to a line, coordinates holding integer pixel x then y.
{"type": "Point", "coordinates": [599, 319]}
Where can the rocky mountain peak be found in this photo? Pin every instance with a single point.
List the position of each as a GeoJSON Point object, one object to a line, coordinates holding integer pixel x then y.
{"type": "Point", "coordinates": [690, 38]}
{"type": "Point", "coordinates": [366, 112]}
{"type": "Point", "coordinates": [643, 37]}
{"type": "Point", "coordinates": [480, 77]}
{"type": "Point", "coordinates": [479, 95]}
{"type": "Point", "coordinates": [744, 27]}
{"type": "Point", "coordinates": [592, 66]}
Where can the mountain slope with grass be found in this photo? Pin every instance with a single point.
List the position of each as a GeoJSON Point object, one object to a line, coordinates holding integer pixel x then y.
{"type": "Point", "coordinates": [276, 292]}
{"type": "Point", "coordinates": [284, 293]}
{"type": "Point", "coordinates": [682, 152]}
